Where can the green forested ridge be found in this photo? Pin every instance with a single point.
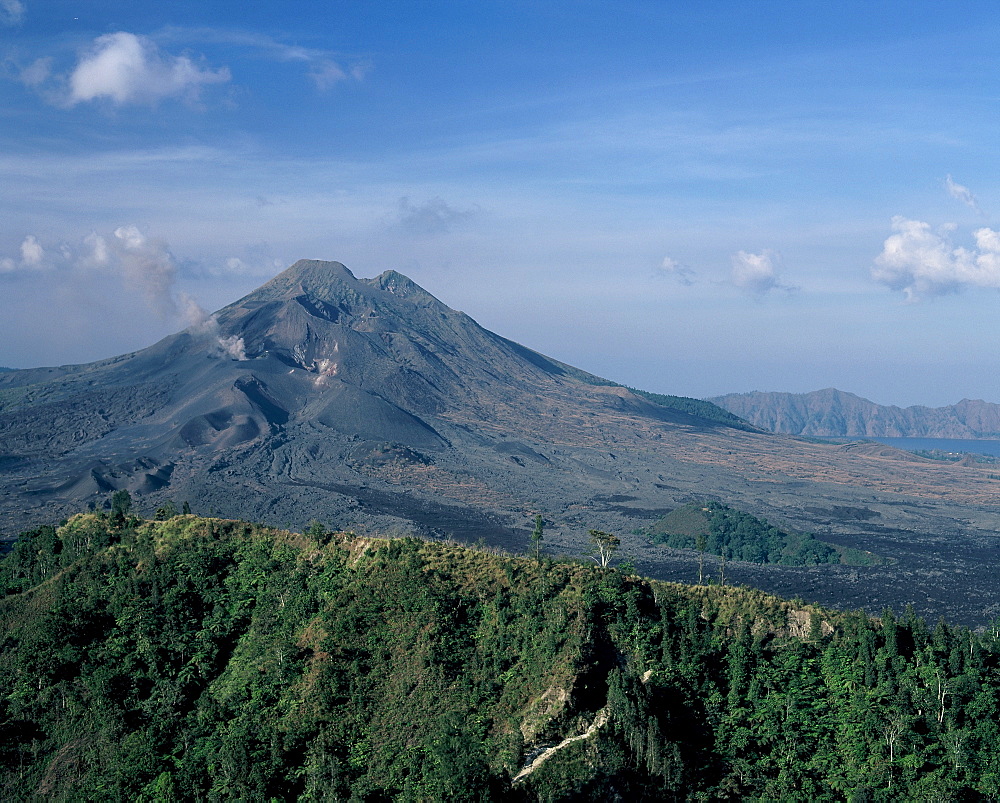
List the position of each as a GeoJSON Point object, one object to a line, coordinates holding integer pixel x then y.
{"type": "Point", "coordinates": [202, 659]}
{"type": "Point", "coordinates": [696, 407]}
{"type": "Point", "coordinates": [721, 530]}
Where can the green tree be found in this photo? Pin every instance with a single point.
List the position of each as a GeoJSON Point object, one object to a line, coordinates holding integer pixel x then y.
{"type": "Point", "coordinates": [166, 511]}
{"type": "Point", "coordinates": [121, 507]}
{"type": "Point", "coordinates": [536, 535]}
{"type": "Point", "coordinates": [700, 546]}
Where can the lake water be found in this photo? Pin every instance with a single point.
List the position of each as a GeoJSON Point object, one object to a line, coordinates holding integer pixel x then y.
{"type": "Point", "coordinates": [943, 444]}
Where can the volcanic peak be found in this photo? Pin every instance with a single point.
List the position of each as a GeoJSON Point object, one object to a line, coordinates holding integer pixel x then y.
{"type": "Point", "coordinates": [333, 283]}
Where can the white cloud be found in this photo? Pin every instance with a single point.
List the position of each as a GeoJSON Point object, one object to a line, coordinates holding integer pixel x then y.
{"type": "Point", "coordinates": [963, 194]}
{"type": "Point", "coordinates": [325, 74]}
{"type": "Point", "coordinates": [922, 262]}
{"type": "Point", "coordinates": [32, 257]}
{"type": "Point", "coordinates": [97, 254]}
{"type": "Point", "coordinates": [126, 68]}
{"type": "Point", "coordinates": [36, 73]}
{"type": "Point", "coordinates": [360, 70]}
{"type": "Point", "coordinates": [324, 67]}
{"type": "Point", "coordinates": [755, 273]}
{"type": "Point", "coordinates": [670, 267]}
{"type": "Point", "coordinates": [435, 216]}
{"type": "Point", "coordinates": [11, 12]}
{"type": "Point", "coordinates": [31, 252]}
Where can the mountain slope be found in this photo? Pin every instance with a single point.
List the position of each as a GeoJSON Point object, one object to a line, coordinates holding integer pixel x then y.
{"type": "Point", "coordinates": [834, 413]}
{"type": "Point", "coordinates": [369, 405]}
{"type": "Point", "coordinates": [309, 380]}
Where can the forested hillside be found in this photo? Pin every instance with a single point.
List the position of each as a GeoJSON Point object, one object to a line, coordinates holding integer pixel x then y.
{"type": "Point", "coordinates": [705, 410]}
{"type": "Point", "coordinates": [206, 659]}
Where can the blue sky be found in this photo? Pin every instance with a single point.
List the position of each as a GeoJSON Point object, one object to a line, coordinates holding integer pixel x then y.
{"type": "Point", "coordinates": [689, 198]}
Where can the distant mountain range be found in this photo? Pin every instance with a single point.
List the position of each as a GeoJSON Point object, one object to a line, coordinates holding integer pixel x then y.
{"type": "Point", "coordinates": [837, 414]}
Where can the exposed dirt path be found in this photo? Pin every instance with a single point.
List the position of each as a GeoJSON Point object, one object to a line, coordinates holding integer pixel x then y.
{"type": "Point", "coordinates": [599, 721]}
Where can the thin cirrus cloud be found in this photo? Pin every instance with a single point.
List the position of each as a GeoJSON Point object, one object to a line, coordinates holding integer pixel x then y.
{"type": "Point", "coordinates": [921, 262]}
{"type": "Point", "coordinates": [963, 194]}
{"type": "Point", "coordinates": [324, 68]}
{"type": "Point", "coordinates": [11, 12]}
{"type": "Point", "coordinates": [435, 216]}
{"type": "Point", "coordinates": [127, 68]}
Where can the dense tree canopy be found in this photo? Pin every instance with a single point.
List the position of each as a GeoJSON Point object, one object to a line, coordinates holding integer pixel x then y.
{"type": "Point", "coordinates": [204, 659]}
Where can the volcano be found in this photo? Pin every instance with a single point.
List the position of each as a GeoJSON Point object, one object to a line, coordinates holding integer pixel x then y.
{"type": "Point", "coordinates": [368, 404]}
{"type": "Point", "coordinates": [317, 380]}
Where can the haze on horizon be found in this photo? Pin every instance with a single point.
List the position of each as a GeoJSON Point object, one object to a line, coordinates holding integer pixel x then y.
{"type": "Point", "coordinates": [690, 200]}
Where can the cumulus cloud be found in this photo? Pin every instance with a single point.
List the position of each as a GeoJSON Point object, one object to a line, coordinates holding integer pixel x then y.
{"type": "Point", "coordinates": [671, 268]}
{"type": "Point", "coordinates": [963, 194]}
{"type": "Point", "coordinates": [257, 259]}
{"type": "Point", "coordinates": [31, 252]}
{"type": "Point", "coordinates": [127, 68]}
{"type": "Point", "coordinates": [144, 264]}
{"type": "Point", "coordinates": [756, 273]}
{"type": "Point", "coordinates": [95, 251]}
{"type": "Point", "coordinates": [33, 257]}
{"type": "Point", "coordinates": [11, 12]}
{"type": "Point", "coordinates": [254, 260]}
{"type": "Point", "coordinates": [435, 216]}
{"type": "Point", "coordinates": [919, 261]}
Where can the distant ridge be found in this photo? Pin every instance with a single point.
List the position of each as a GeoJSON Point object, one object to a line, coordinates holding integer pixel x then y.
{"type": "Point", "coordinates": [838, 414]}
